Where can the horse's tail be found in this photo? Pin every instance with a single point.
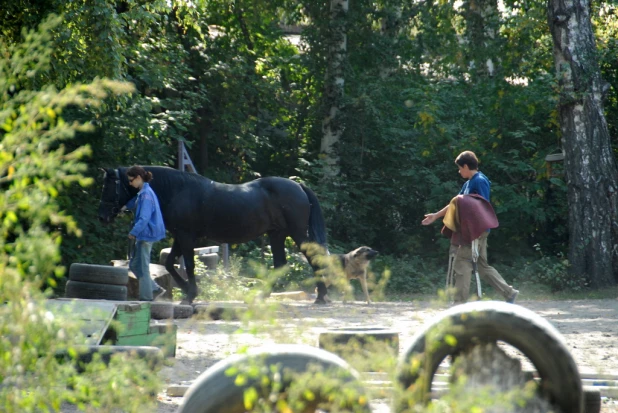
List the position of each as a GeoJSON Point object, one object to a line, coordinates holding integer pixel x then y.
{"type": "Point", "coordinates": [317, 227]}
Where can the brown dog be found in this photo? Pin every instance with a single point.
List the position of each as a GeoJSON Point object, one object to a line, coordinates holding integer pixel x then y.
{"type": "Point", "coordinates": [354, 265]}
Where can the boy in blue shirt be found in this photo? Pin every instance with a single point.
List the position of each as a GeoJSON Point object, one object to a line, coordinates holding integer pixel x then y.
{"type": "Point", "coordinates": [477, 183]}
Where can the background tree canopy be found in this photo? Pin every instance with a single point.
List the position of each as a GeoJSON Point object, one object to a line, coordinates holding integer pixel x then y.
{"type": "Point", "coordinates": [242, 83]}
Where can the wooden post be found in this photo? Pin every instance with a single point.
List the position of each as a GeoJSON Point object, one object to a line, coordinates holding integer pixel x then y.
{"type": "Point", "coordinates": [225, 254]}
{"type": "Point", "coordinates": [184, 160]}
{"type": "Point", "coordinates": [549, 160]}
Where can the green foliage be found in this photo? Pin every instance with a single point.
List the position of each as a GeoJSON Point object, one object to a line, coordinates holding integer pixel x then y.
{"type": "Point", "coordinates": [224, 284]}
{"type": "Point", "coordinates": [224, 77]}
{"type": "Point", "coordinates": [35, 166]}
{"type": "Point", "coordinates": [278, 388]}
{"type": "Point", "coordinates": [552, 271]}
{"type": "Point", "coordinates": [297, 275]}
{"type": "Point", "coordinates": [410, 274]}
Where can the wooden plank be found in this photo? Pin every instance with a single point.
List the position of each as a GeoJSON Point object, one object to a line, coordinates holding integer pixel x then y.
{"type": "Point", "coordinates": [177, 390]}
{"type": "Point", "coordinates": [166, 341]}
{"type": "Point", "coordinates": [93, 316]}
{"type": "Point", "coordinates": [291, 295]}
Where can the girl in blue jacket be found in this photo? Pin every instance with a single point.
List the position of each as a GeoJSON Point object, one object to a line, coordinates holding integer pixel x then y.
{"type": "Point", "coordinates": [148, 228]}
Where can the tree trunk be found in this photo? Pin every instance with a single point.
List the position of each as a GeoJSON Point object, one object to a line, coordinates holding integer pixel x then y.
{"type": "Point", "coordinates": [482, 36]}
{"type": "Point", "coordinates": [590, 167]}
{"type": "Point", "coordinates": [203, 126]}
{"type": "Point", "coordinates": [390, 23]}
{"type": "Point", "coordinates": [332, 125]}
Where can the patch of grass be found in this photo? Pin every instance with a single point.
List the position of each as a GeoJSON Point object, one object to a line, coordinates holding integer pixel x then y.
{"type": "Point", "coordinates": [540, 292]}
{"type": "Point", "coordinates": [527, 292]}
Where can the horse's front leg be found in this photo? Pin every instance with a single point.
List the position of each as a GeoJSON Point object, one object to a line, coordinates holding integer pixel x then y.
{"type": "Point", "coordinates": [169, 266]}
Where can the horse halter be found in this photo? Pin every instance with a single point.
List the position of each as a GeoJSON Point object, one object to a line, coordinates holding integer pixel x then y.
{"type": "Point", "coordinates": [115, 205]}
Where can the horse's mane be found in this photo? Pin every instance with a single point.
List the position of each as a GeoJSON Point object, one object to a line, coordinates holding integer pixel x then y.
{"type": "Point", "coordinates": [169, 180]}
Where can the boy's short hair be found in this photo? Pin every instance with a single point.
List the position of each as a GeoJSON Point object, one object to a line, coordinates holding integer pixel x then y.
{"type": "Point", "coordinates": [467, 158]}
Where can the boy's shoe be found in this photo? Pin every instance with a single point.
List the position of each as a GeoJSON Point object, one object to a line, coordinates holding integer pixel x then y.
{"type": "Point", "coordinates": [158, 293]}
{"type": "Point", "coordinates": [513, 297]}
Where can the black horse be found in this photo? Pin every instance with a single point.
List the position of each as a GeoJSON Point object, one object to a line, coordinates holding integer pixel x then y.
{"type": "Point", "coordinates": [194, 206]}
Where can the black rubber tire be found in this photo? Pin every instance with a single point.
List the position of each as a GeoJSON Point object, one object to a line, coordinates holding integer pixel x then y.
{"type": "Point", "coordinates": [160, 310]}
{"type": "Point", "coordinates": [592, 399]}
{"type": "Point", "coordinates": [94, 291]}
{"type": "Point", "coordinates": [215, 390]}
{"type": "Point", "coordinates": [100, 274]}
{"type": "Point", "coordinates": [366, 348]}
{"type": "Point", "coordinates": [85, 354]}
{"type": "Point", "coordinates": [362, 335]}
{"type": "Point", "coordinates": [183, 311]}
{"type": "Point", "coordinates": [491, 321]}
{"type": "Point", "coordinates": [209, 260]}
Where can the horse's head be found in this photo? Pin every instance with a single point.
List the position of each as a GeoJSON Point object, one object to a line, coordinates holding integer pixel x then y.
{"type": "Point", "coordinates": [116, 194]}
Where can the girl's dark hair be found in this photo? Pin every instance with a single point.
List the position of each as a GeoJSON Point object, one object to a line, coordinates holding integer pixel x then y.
{"type": "Point", "coordinates": [137, 170]}
{"type": "Point", "coordinates": [468, 158]}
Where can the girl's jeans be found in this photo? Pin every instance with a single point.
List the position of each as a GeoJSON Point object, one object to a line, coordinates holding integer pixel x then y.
{"type": "Point", "coordinates": [140, 265]}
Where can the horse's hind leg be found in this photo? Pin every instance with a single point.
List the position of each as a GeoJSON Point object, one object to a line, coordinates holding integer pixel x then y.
{"type": "Point", "coordinates": [277, 246]}
{"type": "Point", "coordinates": [312, 252]}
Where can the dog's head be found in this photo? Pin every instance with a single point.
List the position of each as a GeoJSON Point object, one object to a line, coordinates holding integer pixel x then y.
{"type": "Point", "coordinates": [363, 254]}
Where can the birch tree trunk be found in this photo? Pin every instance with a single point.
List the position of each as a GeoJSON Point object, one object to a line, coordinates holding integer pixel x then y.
{"type": "Point", "coordinates": [590, 167]}
{"type": "Point", "coordinates": [332, 125]}
{"type": "Point", "coordinates": [481, 35]}
{"type": "Point", "coordinates": [389, 29]}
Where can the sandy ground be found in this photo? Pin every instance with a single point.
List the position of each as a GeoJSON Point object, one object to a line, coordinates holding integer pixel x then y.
{"type": "Point", "coordinates": [590, 328]}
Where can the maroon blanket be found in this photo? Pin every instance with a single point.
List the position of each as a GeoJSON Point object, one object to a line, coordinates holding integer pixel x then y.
{"type": "Point", "coordinates": [475, 216]}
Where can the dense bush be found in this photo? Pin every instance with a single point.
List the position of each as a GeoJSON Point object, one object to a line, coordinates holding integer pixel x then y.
{"type": "Point", "coordinates": [38, 346]}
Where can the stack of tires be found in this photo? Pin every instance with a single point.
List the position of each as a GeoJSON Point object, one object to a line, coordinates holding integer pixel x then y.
{"type": "Point", "coordinates": [97, 282]}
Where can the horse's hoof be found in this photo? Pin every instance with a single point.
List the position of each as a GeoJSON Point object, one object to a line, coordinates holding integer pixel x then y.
{"type": "Point", "coordinates": [320, 301]}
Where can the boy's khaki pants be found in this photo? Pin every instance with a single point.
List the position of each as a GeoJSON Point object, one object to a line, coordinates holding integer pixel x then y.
{"type": "Point", "coordinates": [462, 267]}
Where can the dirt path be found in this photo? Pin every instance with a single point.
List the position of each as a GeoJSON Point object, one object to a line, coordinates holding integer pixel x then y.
{"type": "Point", "coordinates": [590, 328]}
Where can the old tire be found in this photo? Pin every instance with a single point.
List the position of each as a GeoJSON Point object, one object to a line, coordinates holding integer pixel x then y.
{"type": "Point", "coordinates": [160, 310]}
{"type": "Point", "coordinates": [94, 291]}
{"type": "Point", "coordinates": [100, 274]}
{"type": "Point", "coordinates": [209, 260]}
{"type": "Point", "coordinates": [592, 400]}
{"type": "Point", "coordinates": [216, 390]}
{"type": "Point", "coordinates": [490, 321]}
{"type": "Point", "coordinates": [183, 311]}
{"type": "Point", "coordinates": [366, 348]}
{"type": "Point", "coordinates": [85, 354]}
{"type": "Point", "coordinates": [362, 335]}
